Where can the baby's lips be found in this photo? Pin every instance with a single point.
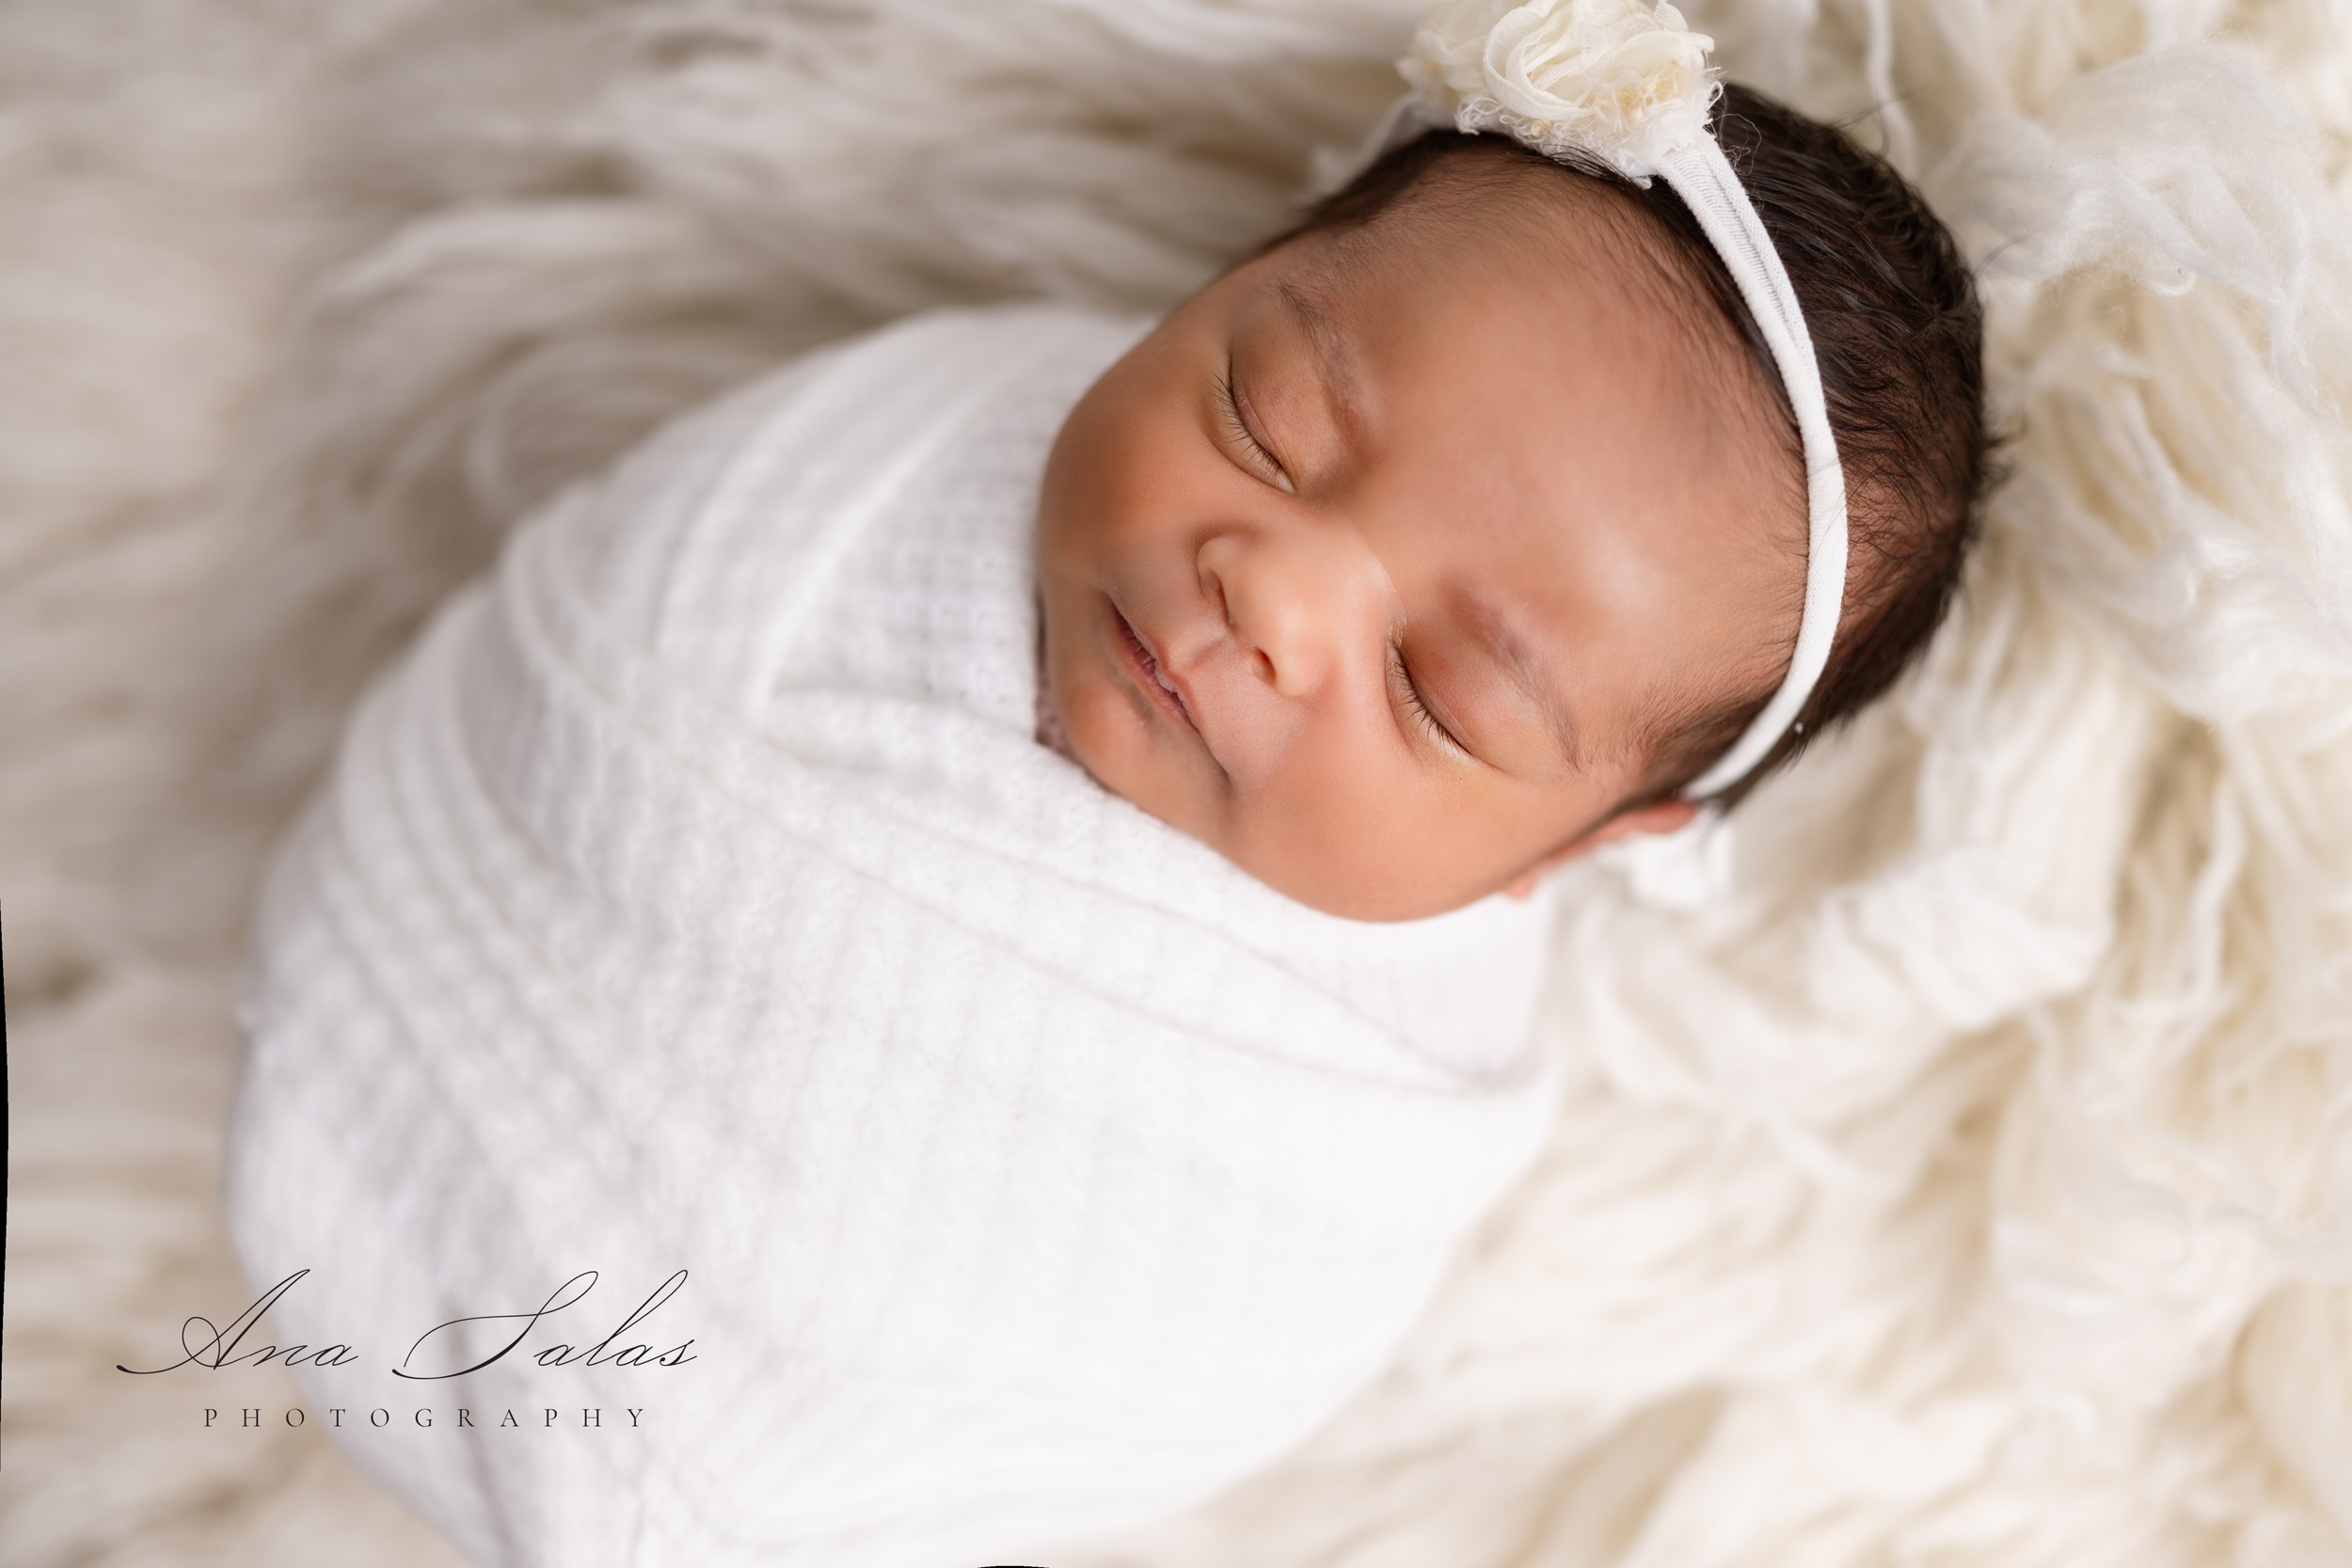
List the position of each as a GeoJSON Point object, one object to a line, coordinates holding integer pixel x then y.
{"type": "Point", "coordinates": [1142, 664]}
{"type": "Point", "coordinates": [1182, 688]}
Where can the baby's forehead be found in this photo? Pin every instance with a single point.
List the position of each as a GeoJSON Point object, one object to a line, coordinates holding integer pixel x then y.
{"type": "Point", "coordinates": [1497, 208]}
{"type": "Point", "coordinates": [1543, 306]}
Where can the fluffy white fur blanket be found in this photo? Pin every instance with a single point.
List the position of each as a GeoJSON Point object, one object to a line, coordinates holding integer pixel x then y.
{"type": "Point", "coordinates": [1975, 1187]}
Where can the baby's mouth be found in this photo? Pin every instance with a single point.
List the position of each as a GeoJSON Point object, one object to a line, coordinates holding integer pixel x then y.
{"type": "Point", "coordinates": [1144, 667]}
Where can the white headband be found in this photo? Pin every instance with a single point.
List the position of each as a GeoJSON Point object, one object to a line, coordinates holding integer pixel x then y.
{"type": "Point", "coordinates": [1620, 83]}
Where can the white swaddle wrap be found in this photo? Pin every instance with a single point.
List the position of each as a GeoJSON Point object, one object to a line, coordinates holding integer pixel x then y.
{"type": "Point", "coordinates": [695, 896]}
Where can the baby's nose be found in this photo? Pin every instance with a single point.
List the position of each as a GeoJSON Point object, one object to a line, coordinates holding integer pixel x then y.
{"type": "Point", "coordinates": [1303, 598]}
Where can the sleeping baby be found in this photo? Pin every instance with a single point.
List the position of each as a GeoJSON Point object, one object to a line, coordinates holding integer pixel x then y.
{"type": "Point", "coordinates": [942, 959]}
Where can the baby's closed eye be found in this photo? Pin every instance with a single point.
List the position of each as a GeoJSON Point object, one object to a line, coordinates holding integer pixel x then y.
{"type": "Point", "coordinates": [1243, 434]}
{"type": "Point", "coordinates": [1409, 698]}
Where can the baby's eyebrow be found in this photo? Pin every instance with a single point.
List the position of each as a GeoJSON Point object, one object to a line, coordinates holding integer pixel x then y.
{"type": "Point", "coordinates": [1331, 353]}
{"type": "Point", "coordinates": [1521, 665]}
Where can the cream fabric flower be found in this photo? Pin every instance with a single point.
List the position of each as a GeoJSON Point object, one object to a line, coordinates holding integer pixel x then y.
{"type": "Point", "coordinates": [1617, 80]}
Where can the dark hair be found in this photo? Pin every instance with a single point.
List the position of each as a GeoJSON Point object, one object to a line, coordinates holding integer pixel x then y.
{"type": "Point", "coordinates": [1897, 335]}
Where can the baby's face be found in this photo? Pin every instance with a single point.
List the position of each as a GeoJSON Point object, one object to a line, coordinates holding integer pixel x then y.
{"type": "Point", "coordinates": [1382, 563]}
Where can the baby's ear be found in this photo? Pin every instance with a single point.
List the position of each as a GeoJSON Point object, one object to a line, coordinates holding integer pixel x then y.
{"type": "Point", "coordinates": [1663, 818]}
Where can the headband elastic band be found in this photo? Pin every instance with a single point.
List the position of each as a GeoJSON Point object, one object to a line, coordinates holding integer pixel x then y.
{"type": "Point", "coordinates": [1703, 177]}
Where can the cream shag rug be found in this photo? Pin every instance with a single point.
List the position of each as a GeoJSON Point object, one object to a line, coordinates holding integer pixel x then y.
{"type": "Point", "coordinates": [1976, 1188]}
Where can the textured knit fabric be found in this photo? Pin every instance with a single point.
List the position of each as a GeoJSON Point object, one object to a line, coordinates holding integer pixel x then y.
{"type": "Point", "coordinates": [696, 896]}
